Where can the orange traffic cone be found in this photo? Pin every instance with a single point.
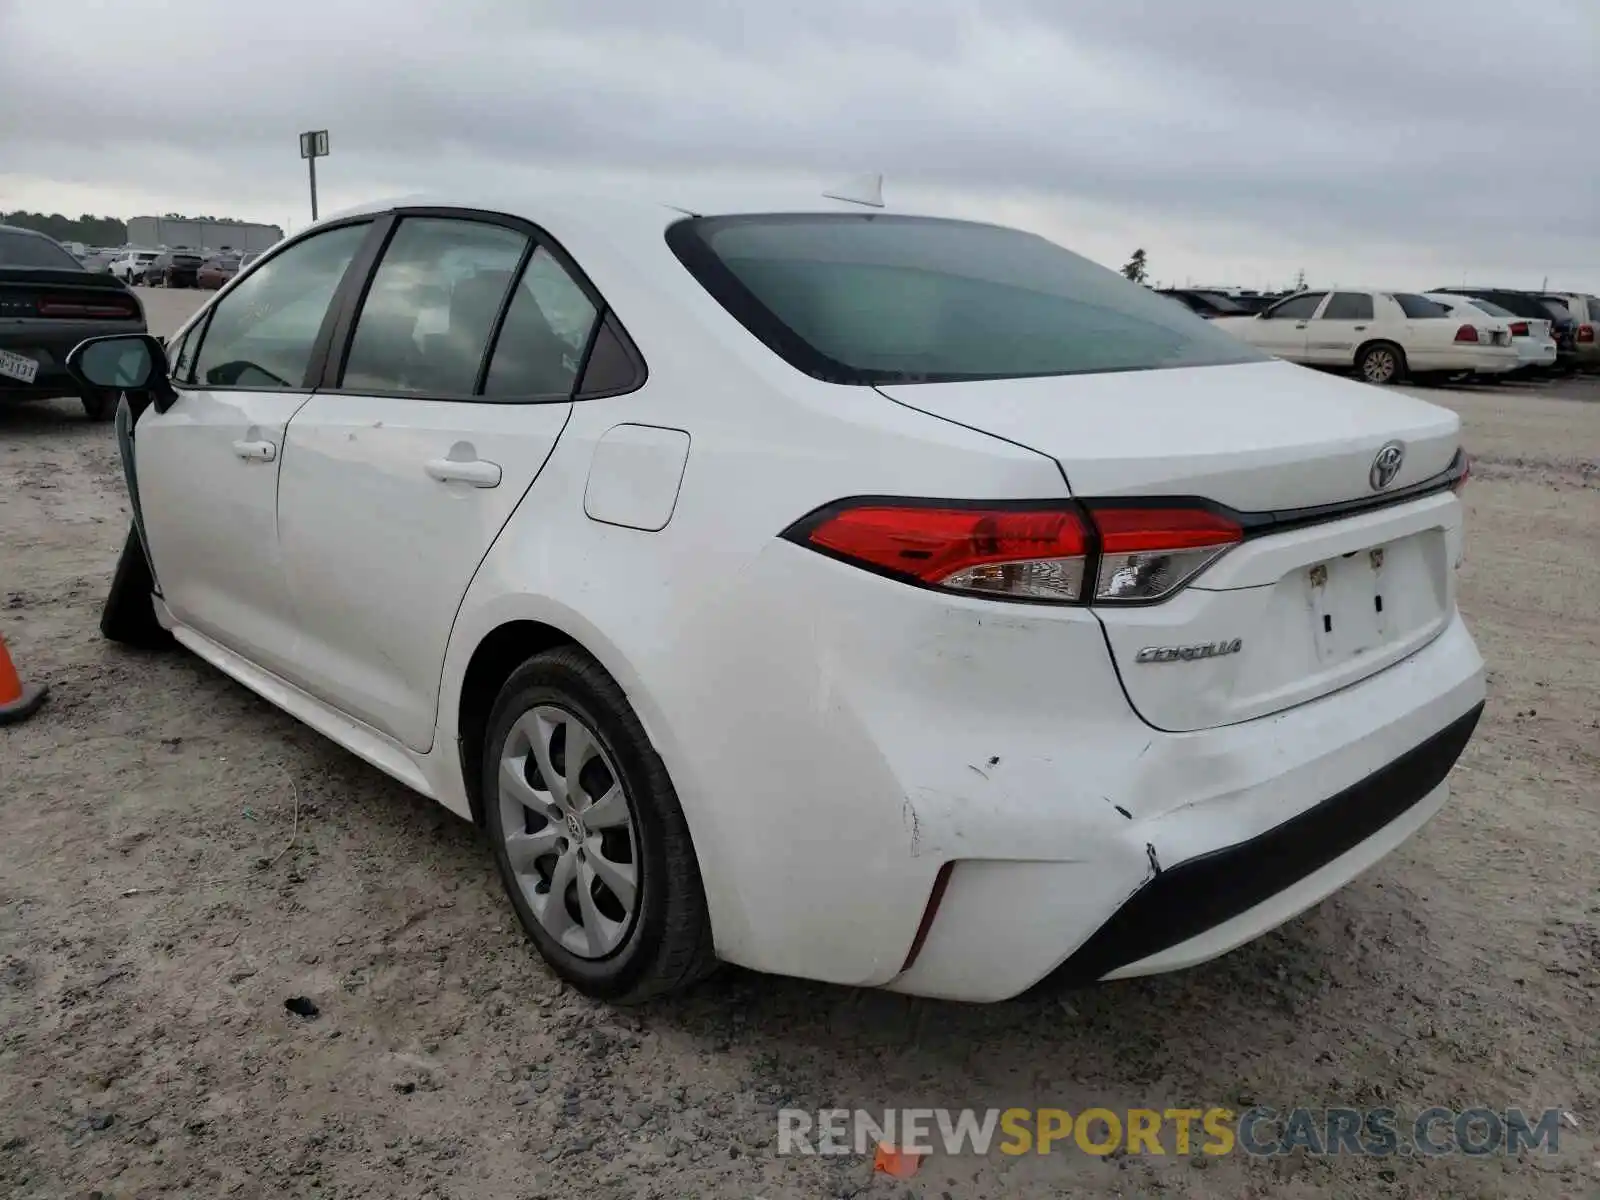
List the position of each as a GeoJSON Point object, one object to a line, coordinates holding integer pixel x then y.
{"type": "Point", "coordinates": [16, 701]}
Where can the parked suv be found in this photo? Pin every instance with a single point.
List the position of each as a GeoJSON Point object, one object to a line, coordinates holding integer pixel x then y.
{"type": "Point", "coordinates": [1585, 311]}
{"type": "Point", "coordinates": [173, 268]}
{"type": "Point", "coordinates": [131, 266]}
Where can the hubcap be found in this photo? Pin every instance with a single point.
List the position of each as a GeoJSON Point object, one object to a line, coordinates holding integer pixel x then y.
{"type": "Point", "coordinates": [569, 831]}
{"type": "Point", "coordinates": [1380, 365]}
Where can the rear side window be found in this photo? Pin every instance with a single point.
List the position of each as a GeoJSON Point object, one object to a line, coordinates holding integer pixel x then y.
{"type": "Point", "coordinates": [1419, 308]}
{"type": "Point", "coordinates": [262, 333]}
{"type": "Point", "coordinates": [868, 299]}
{"type": "Point", "coordinates": [26, 250]}
{"type": "Point", "coordinates": [1348, 306]}
{"type": "Point", "coordinates": [428, 316]}
{"type": "Point", "coordinates": [546, 330]}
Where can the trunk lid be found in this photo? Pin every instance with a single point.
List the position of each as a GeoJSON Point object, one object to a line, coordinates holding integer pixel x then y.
{"type": "Point", "coordinates": [1257, 436]}
{"type": "Point", "coordinates": [1288, 615]}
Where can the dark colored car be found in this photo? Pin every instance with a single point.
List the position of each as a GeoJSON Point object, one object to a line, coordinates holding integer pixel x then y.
{"type": "Point", "coordinates": [173, 269]}
{"type": "Point", "coordinates": [1563, 328]}
{"type": "Point", "coordinates": [1207, 304]}
{"type": "Point", "coordinates": [216, 271]}
{"type": "Point", "coordinates": [48, 304]}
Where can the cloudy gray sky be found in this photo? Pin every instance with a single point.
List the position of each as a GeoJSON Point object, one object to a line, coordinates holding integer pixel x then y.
{"type": "Point", "coordinates": [1402, 143]}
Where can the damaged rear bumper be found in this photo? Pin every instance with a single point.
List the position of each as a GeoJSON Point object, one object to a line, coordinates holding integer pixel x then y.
{"type": "Point", "coordinates": [1194, 910]}
{"type": "Point", "coordinates": [1280, 812]}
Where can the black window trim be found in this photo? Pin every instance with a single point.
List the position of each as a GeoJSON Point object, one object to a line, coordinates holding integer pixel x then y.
{"type": "Point", "coordinates": [358, 281]}
{"type": "Point", "coordinates": [319, 346]}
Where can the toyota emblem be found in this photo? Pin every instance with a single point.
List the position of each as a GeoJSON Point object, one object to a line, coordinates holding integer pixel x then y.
{"type": "Point", "coordinates": [1386, 465]}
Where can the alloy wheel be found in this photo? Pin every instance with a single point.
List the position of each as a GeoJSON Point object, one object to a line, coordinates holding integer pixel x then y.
{"type": "Point", "coordinates": [1379, 365]}
{"type": "Point", "coordinates": [569, 831]}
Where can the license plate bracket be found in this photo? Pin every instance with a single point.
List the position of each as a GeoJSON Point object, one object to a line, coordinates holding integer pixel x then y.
{"type": "Point", "coordinates": [1347, 605]}
{"type": "Point", "coordinates": [18, 366]}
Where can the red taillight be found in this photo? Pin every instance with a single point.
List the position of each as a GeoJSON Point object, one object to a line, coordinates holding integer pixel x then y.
{"type": "Point", "coordinates": [68, 306]}
{"type": "Point", "coordinates": [1586, 333]}
{"type": "Point", "coordinates": [1148, 554]}
{"type": "Point", "coordinates": [1035, 553]}
{"type": "Point", "coordinates": [1141, 530]}
{"type": "Point", "coordinates": [1467, 333]}
{"type": "Point", "coordinates": [1519, 329]}
{"type": "Point", "coordinates": [1460, 484]}
{"type": "Point", "coordinates": [1030, 553]}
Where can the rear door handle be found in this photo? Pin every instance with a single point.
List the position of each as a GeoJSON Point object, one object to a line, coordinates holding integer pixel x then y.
{"type": "Point", "coordinates": [1359, 328]}
{"type": "Point", "coordinates": [473, 472]}
{"type": "Point", "coordinates": [256, 451]}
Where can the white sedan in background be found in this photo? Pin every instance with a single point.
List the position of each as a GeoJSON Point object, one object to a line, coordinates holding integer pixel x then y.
{"type": "Point", "coordinates": [1535, 343]}
{"type": "Point", "coordinates": [1384, 336]}
{"type": "Point", "coordinates": [883, 599]}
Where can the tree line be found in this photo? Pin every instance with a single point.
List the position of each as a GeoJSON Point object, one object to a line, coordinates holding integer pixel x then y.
{"type": "Point", "coordinates": [91, 231]}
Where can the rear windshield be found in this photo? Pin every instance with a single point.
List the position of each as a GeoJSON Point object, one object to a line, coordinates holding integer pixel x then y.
{"type": "Point", "coordinates": [1419, 307]}
{"type": "Point", "coordinates": [1522, 306]}
{"type": "Point", "coordinates": [26, 250]}
{"type": "Point", "coordinates": [1223, 303]}
{"type": "Point", "coordinates": [1493, 309]}
{"type": "Point", "coordinates": [868, 299]}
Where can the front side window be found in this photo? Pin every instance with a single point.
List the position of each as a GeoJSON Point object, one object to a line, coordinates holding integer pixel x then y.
{"type": "Point", "coordinates": [866, 299]}
{"type": "Point", "coordinates": [1297, 308]}
{"type": "Point", "coordinates": [1419, 308]}
{"type": "Point", "coordinates": [546, 329]}
{"type": "Point", "coordinates": [1348, 306]}
{"type": "Point", "coordinates": [262, 333]}
{"type": "Point", "coordinates": [432, 307]}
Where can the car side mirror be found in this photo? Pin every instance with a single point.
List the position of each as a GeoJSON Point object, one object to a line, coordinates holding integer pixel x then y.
{"type": "Point", "coordinates": [124, 362]}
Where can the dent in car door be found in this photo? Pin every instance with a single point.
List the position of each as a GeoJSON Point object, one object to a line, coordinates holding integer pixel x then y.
{"type": "Point", "coordinates": [396, 484]}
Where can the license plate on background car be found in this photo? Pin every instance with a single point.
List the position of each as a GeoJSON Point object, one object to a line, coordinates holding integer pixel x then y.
{"type": "Point", "coordinates": [1347, 605]}
{"type": "Point", "coordinates": [16, 366]}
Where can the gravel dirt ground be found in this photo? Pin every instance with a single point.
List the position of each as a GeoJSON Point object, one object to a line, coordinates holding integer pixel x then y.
{"type": "Point", "coordinates": [177, 858]}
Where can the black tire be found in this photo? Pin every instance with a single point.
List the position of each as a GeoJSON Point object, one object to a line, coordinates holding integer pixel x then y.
{"type": "Point", "coordinates": [100, 406]}
{"type": "Point", "coordinates": [129, 617]}
{"type": "Point", "coordinates": [668, 945]}
{"type": "Point", "coordinates": [1381, 363]}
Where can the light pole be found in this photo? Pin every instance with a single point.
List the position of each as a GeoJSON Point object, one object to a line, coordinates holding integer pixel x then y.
{"type": "Point", "coordinates": [313, 145]}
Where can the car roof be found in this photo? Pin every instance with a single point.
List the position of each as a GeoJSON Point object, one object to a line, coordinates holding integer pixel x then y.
{"type": "Point", "coordinates": [29, 232]}
{"type": "Point", "coordinates": [554, 204]}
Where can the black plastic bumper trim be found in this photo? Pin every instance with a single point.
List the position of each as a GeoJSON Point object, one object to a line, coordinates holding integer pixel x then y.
{"type": "Point", "coordinates": [1201, 893]}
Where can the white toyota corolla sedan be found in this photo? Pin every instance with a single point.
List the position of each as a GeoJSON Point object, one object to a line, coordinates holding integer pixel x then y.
{"type": "Point", "coordinates": [877, 598]}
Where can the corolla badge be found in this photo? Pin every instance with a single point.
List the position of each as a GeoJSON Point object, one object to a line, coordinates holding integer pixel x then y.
{"type": "Point", "coordinates": [1386, 465]}
{"type": "Point", "coordinates": [1168, 654]}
